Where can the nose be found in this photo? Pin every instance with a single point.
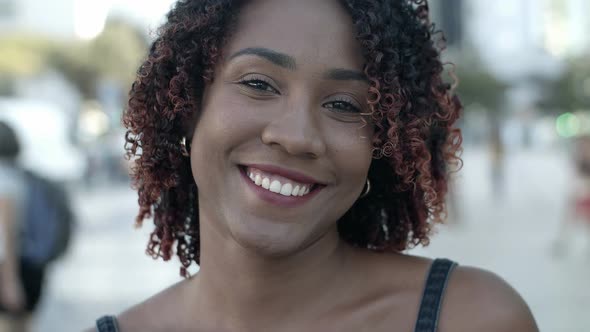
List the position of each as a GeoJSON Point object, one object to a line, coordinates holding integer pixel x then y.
{"type": "Point", "coordinates": [296, 131]}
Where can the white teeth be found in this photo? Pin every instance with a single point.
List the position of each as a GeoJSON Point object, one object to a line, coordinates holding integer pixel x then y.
{"type": "Point", "coordinates": [275, 186]}
{"type": "Point", "coordinates": [286, 189]}
{"type": "Point", "coordinates": [304, 191]}
{"type": "Point", "coordinates": [265, 183]}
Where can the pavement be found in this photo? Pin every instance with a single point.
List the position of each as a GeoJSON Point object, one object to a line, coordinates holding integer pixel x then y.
{"type": "Point", "coordinates": [510, 234]}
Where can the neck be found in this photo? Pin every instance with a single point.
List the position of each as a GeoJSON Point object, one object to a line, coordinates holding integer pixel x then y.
{"type": "Point", "coordinates": [253, 288]}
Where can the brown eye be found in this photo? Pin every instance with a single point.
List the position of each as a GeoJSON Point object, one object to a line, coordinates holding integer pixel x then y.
{"type": "Point", "coordinates": [342, 106]}
{"type": "Point", "coordinates": [260, 85]}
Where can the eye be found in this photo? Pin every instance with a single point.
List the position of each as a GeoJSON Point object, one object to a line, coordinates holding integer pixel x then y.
{"type": "Point", "coordinates": [343, 105]}
{"type": "Point", "coordinates": [258, 83]}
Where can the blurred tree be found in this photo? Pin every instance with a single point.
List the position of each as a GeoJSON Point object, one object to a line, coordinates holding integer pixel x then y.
{"type": "Point", "coordinates": [23, 55]}
{"type": "Point", "coordinates": [476, 85]}
{"type": "Point", "coordinates": [117, 51]}
{"type": "Point", "coordinates": [73, 61]}
{"type": "Point", "coordinates": [114, 55]}
{"type": "Point", "coordinates": [571, 91]}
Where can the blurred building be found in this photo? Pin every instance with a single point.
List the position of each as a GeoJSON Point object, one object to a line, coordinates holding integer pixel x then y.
{"type": "Point", "coordinates": [515, 39]}
{"type": "Point", "coordinates": [449, 15]}
{"type": "Point", "coordinates": [32, 16]}
{"type": "Point", "coordinates": [522, 43]}
{"type": "Point", "coordinates": [529, 28]}
{"type": "Point", "coordinates": [566, 24]}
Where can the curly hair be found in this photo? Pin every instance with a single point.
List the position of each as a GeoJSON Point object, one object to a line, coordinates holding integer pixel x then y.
{"type": "Point", "coordinates": [415, 143]}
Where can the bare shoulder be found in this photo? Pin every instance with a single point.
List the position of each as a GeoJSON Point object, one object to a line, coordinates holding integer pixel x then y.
{"type": "Point", "coordinates": [150, 314]}
{"type": "Point", "coordinates": [154, 313]}
{"type": "Point", "coordinates": [479, 300]}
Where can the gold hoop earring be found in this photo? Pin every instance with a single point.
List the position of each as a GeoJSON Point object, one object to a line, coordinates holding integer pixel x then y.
{"type": "Point", "coordinates": [367, 189]}
{"type": "Point", "coordinates": [183, 149]}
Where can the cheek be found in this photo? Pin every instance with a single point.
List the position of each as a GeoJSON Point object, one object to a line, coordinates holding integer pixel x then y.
{"type": "Point", "coordinates": [223, 120]}
{"type": "Point", "coordinates": [352, 152]}
{"type": "Point", "coordinates": [211, 136]}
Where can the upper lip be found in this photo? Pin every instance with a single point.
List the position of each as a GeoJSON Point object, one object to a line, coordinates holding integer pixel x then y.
{"type": "Point", "coordinates": [287, 173]}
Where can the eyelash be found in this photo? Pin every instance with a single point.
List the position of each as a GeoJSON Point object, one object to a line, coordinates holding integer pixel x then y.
{"type": "Point", "coordinates": [250, 83]}
{"type": "Point", "coordinates": [258, 80]}
{"type": "Point", "coordinates": [348, 103]}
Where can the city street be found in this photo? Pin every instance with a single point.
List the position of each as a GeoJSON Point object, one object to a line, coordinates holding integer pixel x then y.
{"type": "Point", "coordinates": [76, 76]}
{"type": "Point", "coordinates": [107, 270]}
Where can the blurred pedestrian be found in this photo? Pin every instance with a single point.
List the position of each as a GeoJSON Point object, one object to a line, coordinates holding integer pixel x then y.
{"type": "Point", "coordinates": [20, 283]}
{"type": "Point", "coordinates": [497, 158]}
{"type": "Point", "coordinates": [287, 148]}
{"type": "Point", "coordinates": [577, 208]}
{"type": "Point", "coordinates": [35, 226]}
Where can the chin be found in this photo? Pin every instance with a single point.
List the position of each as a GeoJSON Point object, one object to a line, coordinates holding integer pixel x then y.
{"type": "Point", "coordinates": [271, 240]}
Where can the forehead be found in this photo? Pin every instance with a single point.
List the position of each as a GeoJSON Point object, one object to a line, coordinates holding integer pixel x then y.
{"type": "Point", "coordinates": [311, 31]}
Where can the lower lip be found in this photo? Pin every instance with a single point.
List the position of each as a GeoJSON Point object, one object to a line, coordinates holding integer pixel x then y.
{"type": "Point", "coordinates": [275, 198]}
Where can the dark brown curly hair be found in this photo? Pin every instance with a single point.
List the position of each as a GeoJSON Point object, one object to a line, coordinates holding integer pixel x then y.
{"type": "Point", "coordinates": [414, 110]}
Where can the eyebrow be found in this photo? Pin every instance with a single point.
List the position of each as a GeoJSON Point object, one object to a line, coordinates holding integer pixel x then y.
{"type": "Point", "coordinates": [277, 58]}
{"type": "Point", "coordinates": [340, 74]}
{"type": "Point", "coordinates": [287, 61]}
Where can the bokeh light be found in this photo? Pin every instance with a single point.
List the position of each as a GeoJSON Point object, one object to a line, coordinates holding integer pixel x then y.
{"type": "Point", "coordinates": [90, 18]}
{"type": "Point", "coordinates": [567, 125]}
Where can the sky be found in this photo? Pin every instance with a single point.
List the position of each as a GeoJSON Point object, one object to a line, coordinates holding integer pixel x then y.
{"type": "Point", "coordinates": [91, 14]}
{"type": "Point", "coordinates": [146, 12]}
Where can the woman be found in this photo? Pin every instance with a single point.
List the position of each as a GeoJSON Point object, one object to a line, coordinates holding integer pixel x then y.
{"type": "Point", "coordinates": [293, 149]}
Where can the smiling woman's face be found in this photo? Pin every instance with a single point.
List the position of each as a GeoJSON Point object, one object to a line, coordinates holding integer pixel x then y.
{"type": "Point", "coordinates": [280, 151]}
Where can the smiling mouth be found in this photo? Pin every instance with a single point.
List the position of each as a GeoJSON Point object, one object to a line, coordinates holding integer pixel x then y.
{"type": "Point", "coordinates": [277, 184]}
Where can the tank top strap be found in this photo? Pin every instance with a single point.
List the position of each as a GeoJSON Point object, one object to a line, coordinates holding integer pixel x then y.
{"type": "Point", "coordinates": [434, 289]}
{"type": "Point", "coordinates": [107, 324]}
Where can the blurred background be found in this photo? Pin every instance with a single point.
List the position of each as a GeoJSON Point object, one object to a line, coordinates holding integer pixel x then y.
{"type": "Point", "coordinates": [516, 207]}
